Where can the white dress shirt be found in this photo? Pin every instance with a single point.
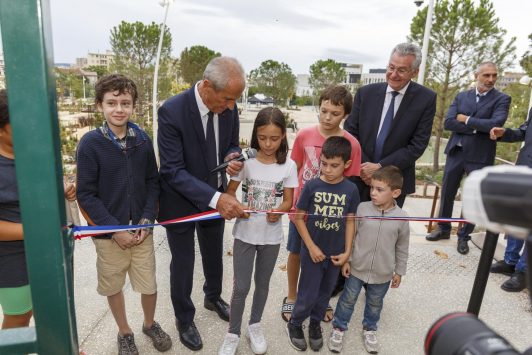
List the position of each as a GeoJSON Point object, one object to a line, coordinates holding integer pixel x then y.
{"type": "Point", "coordinates": [204, 113]}
{"type": "Point", "coordinates": [388, 100]}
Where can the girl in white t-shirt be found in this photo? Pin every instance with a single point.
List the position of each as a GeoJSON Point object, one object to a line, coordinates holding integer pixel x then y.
{"type": "Point", "coordinates": [268, 183]}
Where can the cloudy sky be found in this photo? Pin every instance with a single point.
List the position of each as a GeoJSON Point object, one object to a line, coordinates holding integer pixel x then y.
{"type": "Point", "coordinates": [297, 32]}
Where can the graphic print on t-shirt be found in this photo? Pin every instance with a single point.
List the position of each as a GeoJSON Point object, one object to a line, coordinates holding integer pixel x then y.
{"type": "Point", "coordinates": [261, 194]}
{"type": "Point", "coordinates": [312, 168]}
{"type": "Point", "coordinates": [328, 204]}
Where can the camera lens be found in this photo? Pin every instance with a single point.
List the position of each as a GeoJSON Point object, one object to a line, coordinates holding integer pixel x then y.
{"type": "Point", "coordinates": [465, 334]}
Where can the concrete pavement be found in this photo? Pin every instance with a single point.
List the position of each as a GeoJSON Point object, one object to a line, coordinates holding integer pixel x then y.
{"type": "Point", "coordinates": [432, 288]}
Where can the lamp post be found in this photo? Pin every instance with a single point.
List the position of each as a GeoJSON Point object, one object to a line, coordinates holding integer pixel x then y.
{"type": "Point", "coordinates": [525, 80]}
{"type": "Point", "coordinates": [163, 3]}
{"type": "Point", "coordinates": [84, 98]}
{"type": "Point", "coordinates": [425, 50]}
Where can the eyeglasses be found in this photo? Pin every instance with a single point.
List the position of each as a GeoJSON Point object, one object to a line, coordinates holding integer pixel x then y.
{"type": "Point", "coordinates": [134, 146]}
{"type": "Point", "coordinates": [399, 72]}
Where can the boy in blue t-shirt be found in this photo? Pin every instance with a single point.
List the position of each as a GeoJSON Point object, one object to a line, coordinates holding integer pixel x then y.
{"type": "Point", "coordinates": [327, 239]}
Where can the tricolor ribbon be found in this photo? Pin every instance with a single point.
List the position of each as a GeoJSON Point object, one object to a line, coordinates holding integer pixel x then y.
{"type": "Point", "coordinates": [91, 231]}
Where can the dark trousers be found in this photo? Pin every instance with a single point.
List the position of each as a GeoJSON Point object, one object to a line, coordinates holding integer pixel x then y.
{"type": "Point", "coordinates": [365, 191]}
{"type": "Point", "coordinates": [210, 238]}
{"type": "Point", "coordinates": [316, 283]}
{"type": "Point", "coordinates": [455, 167]}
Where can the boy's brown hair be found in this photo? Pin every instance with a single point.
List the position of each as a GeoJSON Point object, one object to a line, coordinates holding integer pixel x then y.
{"type": "Point", "coordinates": [390, 175]}
{"type": "Point", "coordinates": [338, 95]}
{"type": "Point", "coordinates": [113, 82]}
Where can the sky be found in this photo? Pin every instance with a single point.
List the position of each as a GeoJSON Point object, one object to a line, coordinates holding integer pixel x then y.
{"type": "Point", "coordinates": [296, 32]}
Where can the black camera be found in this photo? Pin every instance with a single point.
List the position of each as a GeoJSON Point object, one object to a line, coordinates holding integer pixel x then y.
{"type": "Point", "coordinates": [465, 334]}
{"type": "Point", "coordinates": [500, 199]}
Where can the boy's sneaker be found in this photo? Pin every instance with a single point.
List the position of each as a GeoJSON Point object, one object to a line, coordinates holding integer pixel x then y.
{"type": "Point", "coordinates": [370, 341]}
{"type": "Point", "coordinates": [126, 344]}
{"type": "Point", "coordinates": [296, 337]}
{"type": "Point", "coordinates": [161, 340]}
{"type": "Point", "coordinates": [256, 337]}
{"type": "Point", "coordinates": [315, 338]}
{"type": "Point", "coordinates": [336, 341]}
{"type": "Point", "coordinates": [230, 344]}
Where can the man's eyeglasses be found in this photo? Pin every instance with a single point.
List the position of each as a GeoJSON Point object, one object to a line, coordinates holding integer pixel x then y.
{"type": "Point", "coordinates": [134, 146]}
{"type": "Point", "coordinates": [400, 72]}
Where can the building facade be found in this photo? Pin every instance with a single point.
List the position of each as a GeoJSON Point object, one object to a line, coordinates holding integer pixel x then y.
{"type": "Point", "coordinates": [507, 80]}
{"type": "Point", "coordinates": [374, 76]}
{"type": "Point", "coordinates": [95, 59]}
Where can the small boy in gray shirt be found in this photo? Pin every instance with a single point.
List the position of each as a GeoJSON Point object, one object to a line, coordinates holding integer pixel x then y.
{"type": "Point", "coordinates": [378, 258]}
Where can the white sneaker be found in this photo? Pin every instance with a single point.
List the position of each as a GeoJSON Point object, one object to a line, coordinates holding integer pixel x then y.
{"type": "Point", "coordinates": [370, 341]}
{"type": "Point", "coordinates": [336, 341]}
{"type": "Point", "coordinates": [258, 342]}
{"type": "Point", "coordinates": [230, 344]}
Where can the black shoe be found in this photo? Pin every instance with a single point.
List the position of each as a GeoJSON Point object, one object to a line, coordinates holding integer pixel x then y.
{"type": "Point", "coordinates": [462, 248]}
{"type": "Point", "coordinates": [296, 337]}
{"type": "Point", "coordinates": [434, 237]}
{"type": "Point", "coordinates": [189, 335]}
{"type": "Point", "coordinates": [517, 283]}
{"type": "Point", "coordinates": [220, 307]}
{"type": "Point", "coordinates": [314, 336]}
{"type": "Point", "coordinates": [500, 267]}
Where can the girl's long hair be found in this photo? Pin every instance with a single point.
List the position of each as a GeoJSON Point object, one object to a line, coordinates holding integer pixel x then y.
{"type": "Point", "coordinates": [266, 116]}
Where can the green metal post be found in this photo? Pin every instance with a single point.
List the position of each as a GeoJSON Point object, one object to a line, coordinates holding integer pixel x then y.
{"type": "Point", "coordinates": [27, 42]}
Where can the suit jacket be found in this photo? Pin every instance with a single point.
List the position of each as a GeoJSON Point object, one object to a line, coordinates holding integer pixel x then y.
{"type": "Point", "coordinates": [183, 151]}
{"type": "Point", "coordinates": [409, 134]}
{"type": "Point", "coordinates": [491, 111]}
{"type": "Point", "coordinates": [519, 135]}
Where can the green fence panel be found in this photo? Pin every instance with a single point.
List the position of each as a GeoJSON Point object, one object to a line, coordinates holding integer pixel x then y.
{"type": "Point", "coordinates": [30, 80]}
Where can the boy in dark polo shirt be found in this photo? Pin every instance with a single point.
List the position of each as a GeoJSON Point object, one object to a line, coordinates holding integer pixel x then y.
{"type": "Point", "coordinates": [118, 184]}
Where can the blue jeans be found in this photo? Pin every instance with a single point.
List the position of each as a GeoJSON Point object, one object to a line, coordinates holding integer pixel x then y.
{"type": "Point", "coordinates": [346, 304]}
{"type": "Point", "coordinates": [511, 256]}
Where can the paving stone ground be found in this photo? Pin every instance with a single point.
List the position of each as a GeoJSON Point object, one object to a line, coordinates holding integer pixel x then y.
{"type": "Point", "coordinates": [432, 288]}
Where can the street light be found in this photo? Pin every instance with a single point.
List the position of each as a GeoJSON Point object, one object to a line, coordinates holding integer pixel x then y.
{"type": "Point", "coordinates": [428, 26]}
{"type": "Point", "coordinates": [525, 80]}
{"type": "Point", "coordinates": [154, 103]}
{"type": "Point", "coordinates": [84, 99]}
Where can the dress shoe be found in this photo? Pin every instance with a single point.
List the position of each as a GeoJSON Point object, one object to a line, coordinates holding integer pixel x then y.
{"type": "Point", "coordinates": [462, 248]}
{"type": "Point", "coordinates": [220, 307]}
{"type": "Point", "coordinates": [517, 283]}
{"type": "Point", "coordinates": [500, 267]}
{"type": "Point", "coordinates": [434, 237]}
{"type": "Point", "coordinates": [189, 335]}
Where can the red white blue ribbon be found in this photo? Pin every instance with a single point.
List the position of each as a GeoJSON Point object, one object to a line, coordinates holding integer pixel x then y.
{"type": "Point", "coordinates": [91, 231]}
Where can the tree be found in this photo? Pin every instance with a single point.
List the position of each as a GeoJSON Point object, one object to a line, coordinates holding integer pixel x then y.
{"type": "Point", "coordinates": [526, 59]}
{"type": "Point", "coordinates": [194, 61]}
{"type": "Point", "coordinates": [274, 79]}
{"type": "Point", "coordinates": [99, 69]}
{"type": "Point", "coordinates": [68, 83]}
{"type": "Point", "coordinates": [462, 36]}
{"type": "Point", "coordinates": [178, 88]}
{"type": "Point", "coordinates": [135, 47]}
{"type": "Point", "coordinates": [325, 73]}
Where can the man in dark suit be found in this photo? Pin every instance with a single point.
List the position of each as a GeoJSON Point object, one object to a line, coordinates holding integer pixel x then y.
{"type": "Point", "coordinates": [198, 130]}
{"type": "Point", "coordinates": [393, 121]}
{"type": "Point", "coordinates": [514, 265]}
{"type": "Point", "coordinates": [471, 116]}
